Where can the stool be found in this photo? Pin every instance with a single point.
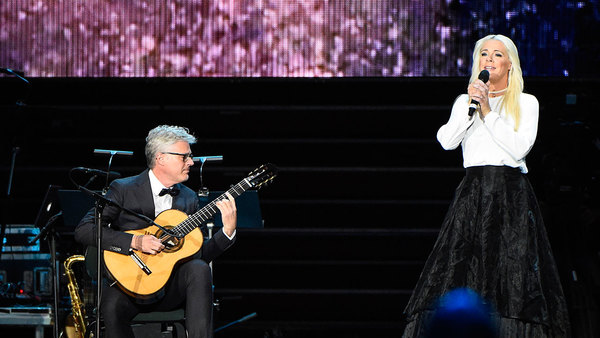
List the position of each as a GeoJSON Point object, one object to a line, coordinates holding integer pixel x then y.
{"type": "Point", "coordinates": [172, 322]}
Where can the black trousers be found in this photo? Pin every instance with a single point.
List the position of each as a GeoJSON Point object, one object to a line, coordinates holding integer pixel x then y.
{"type": "Point", "coordinates": [190, 285]}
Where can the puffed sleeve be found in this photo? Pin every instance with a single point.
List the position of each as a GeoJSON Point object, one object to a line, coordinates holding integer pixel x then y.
{"type": "Point", "coordinates": [516, 143]}
{"type": "Point", "coordinates": [451, 134]}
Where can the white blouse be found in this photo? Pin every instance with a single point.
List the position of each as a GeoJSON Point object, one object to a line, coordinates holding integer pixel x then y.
{"type": "Point", "coordinates": [492, 140]}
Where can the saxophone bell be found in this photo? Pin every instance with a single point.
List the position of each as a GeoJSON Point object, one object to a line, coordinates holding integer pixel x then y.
{"type": "Point", "coordinates": [75, 325]}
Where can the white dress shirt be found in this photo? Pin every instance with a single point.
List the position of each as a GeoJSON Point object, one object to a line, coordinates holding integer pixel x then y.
{"type": "Point", "coordinates": [161, 203]}
{"type": "Point", "coordinates": [492, 140]}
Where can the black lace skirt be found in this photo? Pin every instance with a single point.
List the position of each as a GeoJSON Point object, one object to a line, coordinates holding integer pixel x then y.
{"type": "Point", "coordinates": [493, 241]}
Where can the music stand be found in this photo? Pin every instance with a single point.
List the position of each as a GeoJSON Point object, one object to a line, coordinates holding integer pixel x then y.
{"type": "Point", "coordinates": [49, 206]}
{"type": "Point", "coordinates": [75, 204]}
{"type": "Point", "coordinates": [45, 219]}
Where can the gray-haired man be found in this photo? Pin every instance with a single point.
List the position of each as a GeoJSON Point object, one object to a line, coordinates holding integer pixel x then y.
{"type": "Point", "coordinates": [156, 189]}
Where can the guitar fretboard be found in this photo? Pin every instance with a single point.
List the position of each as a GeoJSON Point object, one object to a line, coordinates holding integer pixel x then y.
{"type": "Point", "coordinates": [198, 218]}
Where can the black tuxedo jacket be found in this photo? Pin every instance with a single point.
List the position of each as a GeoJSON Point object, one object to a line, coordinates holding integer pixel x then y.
{"type": "Point", "coordinates": [135, 194]}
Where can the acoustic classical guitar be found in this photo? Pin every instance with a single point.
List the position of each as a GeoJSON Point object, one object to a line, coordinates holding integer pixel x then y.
{"type": "Point", "coordinates": [143, 275]}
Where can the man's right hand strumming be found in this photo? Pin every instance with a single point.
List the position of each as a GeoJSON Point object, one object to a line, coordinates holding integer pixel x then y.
{"type": "Point", "coordinates": [147, 244]}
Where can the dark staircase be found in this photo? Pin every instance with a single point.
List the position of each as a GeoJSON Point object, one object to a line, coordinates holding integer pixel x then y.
{"type": "Point", "coordinates": [362, 188]}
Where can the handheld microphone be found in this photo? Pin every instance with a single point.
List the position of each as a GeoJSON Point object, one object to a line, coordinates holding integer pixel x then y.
{"type": "Point", "coordinates": [484, 76]}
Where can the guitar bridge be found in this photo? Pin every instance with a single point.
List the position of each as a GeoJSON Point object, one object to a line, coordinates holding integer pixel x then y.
{"type": "Point", "coordinates": [139, 263]}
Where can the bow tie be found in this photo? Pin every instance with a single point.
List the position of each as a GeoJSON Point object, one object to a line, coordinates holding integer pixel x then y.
{"type": "Point", "coordinates": [171, 191]}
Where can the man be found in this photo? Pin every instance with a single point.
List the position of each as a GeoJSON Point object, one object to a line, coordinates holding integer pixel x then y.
{"type": "Point", "coordinates": [156, 189]}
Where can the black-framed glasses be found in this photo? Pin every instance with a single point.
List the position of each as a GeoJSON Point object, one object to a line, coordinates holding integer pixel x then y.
{"type": "Point", "coordinates": [183, 156]}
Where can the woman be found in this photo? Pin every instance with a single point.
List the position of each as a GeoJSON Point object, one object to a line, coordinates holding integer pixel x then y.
{"type": "Point", "coordinates": [493, 238]}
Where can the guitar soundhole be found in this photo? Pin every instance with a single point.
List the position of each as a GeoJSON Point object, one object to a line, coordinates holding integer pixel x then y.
{"type": "Point", "coordinates": [171, 243]}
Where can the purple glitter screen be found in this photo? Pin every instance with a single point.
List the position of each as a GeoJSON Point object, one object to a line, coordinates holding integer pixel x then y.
{"type": "Point", "coordinates": [278, 38]}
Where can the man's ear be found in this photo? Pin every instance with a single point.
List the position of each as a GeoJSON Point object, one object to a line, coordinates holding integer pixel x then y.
{"type": "Point", "coordinates": [159, 160]}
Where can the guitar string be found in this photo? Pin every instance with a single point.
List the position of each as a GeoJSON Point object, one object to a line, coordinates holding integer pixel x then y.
{"type": "Point", "coordinates": [191, 222]}
{"type": "Point", "coordinates": [187, 227]}
{"type": "Point", "coordinates": [188, 224]}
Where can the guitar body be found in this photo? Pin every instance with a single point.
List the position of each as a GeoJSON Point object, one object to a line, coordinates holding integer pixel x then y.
{"type": "Point", "coordinates": [128, 274]}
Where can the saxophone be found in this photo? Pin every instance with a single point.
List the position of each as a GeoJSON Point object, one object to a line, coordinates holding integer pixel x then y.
{"type": "Point", "coordinates": [75, 327]}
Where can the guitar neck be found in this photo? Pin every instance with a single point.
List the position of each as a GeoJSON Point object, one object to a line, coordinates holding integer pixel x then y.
{"type": "Point", "coordinates": [201, 216]}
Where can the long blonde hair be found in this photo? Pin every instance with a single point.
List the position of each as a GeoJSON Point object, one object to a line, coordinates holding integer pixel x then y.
{"type": "Point", "coordinates": [510, 101]}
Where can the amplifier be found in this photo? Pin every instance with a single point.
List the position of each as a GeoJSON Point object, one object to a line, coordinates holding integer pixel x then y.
{"type": "Point", "coordinates": [25, 275]}
{"type": "Point", "coordinates": [18, 236]}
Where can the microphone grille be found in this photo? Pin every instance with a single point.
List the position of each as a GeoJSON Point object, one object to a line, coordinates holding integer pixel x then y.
{"type": "Point", "coordinates": [484, 75]}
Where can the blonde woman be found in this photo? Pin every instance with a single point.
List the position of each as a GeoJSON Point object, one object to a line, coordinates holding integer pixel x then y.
{"type": "Point", "coordinates": [493, 238]}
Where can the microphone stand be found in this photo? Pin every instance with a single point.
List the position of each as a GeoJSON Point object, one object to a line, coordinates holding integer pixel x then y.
{"type": "Point", "coordinates": [21, 76]}
{"type": "Point", "coordinates": [203, 191]}
{"type": "Point", "coordinates": [20, 103]}
{"type": "Point", "coordinates": [203, 194]}
{"type": "Point", "coordinates": [15, 150]}
{"type": "Point", "coordinates": [243, 319]}
{"type": "Point", "coordinates": [99, 207]}
{"type": "Point", "coordinates": [112, 153]}
{"type": "Point", "coordinates": [107, 201]}
{"type": "Point", "coordinates": [101, 203]}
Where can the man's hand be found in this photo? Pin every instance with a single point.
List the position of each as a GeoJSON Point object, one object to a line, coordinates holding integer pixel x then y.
{"type": "Point", "coordinates": [228, 214]}
{"type": "Point", "coordinates": [148, 244]}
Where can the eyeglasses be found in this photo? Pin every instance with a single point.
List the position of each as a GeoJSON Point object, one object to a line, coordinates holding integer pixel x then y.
{"type": "Point", "coordinates": [184, 156]}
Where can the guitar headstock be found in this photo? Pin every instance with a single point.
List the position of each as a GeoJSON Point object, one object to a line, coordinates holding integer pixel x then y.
{"type": "Point", "coordinates": [262, 175]}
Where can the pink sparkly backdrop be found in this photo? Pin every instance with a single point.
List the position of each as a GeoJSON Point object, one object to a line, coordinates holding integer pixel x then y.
{"type": "Point", "coordinates": [282, 38]}
{"type": "Point", "coordinates": [245, 38]}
